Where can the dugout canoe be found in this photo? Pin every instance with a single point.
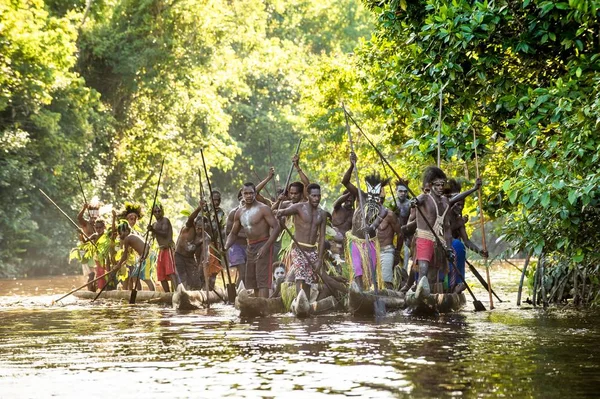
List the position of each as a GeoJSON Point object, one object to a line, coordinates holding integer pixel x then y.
{"type": "Point", "coordinates": [362, 303]}
{"type": "Point", "coordinates": [432, 304]}
{"type": "Point", "coordinates": [188, 301]}
{"type": "Point", "coordinates": [251, 306]}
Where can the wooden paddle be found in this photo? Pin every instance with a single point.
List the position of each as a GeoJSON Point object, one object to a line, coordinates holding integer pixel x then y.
{"type": "Point", "coordinates": [231, 292]}
{"type": "Point", "coordinates": [143, 257]}
{"type": "Point", "coordinates": [481, 218]}
{"type": "Point", "coordinates": [204, 243]}
{"type": "Point", "coordinates": [85, 285]}
{"type": "Point", "coordinates": [379, 306]}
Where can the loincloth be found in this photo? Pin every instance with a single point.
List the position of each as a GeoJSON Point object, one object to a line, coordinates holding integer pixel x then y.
{"type": "Point", "coordinates": [258, 273]}
{"type": "Point", "coordinates": [356, 251]}
{"type": "Point", "coordinates": [303, 268]}
{"type": "Point", "coordinates": [165, 264]}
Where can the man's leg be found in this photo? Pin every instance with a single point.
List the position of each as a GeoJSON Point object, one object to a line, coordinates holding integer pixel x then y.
{"type": "Point", "coordinates": [165, 285]}
{"type": "Point", "coordinates": [150, 285]}
{"type": "Point", "coordinates": [423, 288]}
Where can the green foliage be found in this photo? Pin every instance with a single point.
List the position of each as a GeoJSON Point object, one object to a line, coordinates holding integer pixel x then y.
{"type": "Point", "coordinates": [523, 77]}
{"type": "Point", "coordinates": [106, 89]}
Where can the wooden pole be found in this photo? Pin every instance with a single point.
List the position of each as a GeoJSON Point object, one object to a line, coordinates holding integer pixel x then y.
{"type": "Point", "coordinates": [481, 218]}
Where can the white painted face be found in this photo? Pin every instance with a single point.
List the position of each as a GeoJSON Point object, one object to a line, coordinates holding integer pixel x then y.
{"type": "Point", "coordinates": [279, 272]}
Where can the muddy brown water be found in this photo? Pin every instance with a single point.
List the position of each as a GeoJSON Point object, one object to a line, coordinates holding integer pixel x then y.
{"type": "Point", "coordinates": [107, 349]}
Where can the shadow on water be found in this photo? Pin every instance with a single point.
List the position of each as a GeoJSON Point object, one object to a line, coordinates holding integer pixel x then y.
{"type": "Point", "coordinates": [80, 348]}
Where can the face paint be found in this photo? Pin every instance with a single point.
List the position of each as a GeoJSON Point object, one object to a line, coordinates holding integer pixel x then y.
{"type": "Point", "coordinates": [373, 192]}
{"type": "Point", "coordinates": [279, 273]}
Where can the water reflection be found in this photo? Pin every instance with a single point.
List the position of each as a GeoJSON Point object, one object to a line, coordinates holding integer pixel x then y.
{"type": "Point", "coordinates": [104, 348]}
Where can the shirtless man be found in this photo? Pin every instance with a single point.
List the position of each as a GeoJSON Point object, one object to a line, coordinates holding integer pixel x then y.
{"type": "Point", "coordinates": [362, 224]}
{"type": "Point", "coordinates": [460, 239]}
{"type": "Point", "coordinates": [187, 242]}
{"type": "Point", "coordinates": [403, 209]}
{"type": "Point", "coordinates": [216, 200]}
{"type": "Point", "coordinates": [309, 223]}
{"type": "Point", "coordinates": [387, 230]}
{"type": "Point", "coordinates": [131, 241]}
{"type": "Point", "coordinates": [343, 209]}
{"type": "Point", "coordinates": [434, 208]}
{"type": "Point", "coordinates": [256, 219]}
{"type": "Point", "coordinates": [237, 252]}
{"type": "Point", "coordinates": [165, 264]}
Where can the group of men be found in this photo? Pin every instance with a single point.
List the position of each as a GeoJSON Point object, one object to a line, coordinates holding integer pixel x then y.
{"type": "Point", "coordinates": [377, 239]}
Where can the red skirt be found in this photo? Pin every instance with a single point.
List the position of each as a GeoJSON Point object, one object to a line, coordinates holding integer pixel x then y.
{"type": "Point", "coordinates": [165, 264]}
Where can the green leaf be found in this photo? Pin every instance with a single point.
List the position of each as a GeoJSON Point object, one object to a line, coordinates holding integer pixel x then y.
{"type": "Point", "coordinates": [573, 196]}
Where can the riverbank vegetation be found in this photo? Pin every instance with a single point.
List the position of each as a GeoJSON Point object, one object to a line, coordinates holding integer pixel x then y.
{"type": "Point", "coordinates": [106, 88]}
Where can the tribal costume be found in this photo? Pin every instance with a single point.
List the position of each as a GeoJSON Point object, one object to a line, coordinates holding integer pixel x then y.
{"type": "Point", "coordinates": [356, 250]}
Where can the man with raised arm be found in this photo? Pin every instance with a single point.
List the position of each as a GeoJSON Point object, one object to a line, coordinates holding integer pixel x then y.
{"type": "Point", "coordinates": [434, 208]}
{"type": "Point", "coordinates": [309, 223]}
{"type": "Point", "coordinates": [343, 209]}
{"type": "Point", "coordinates": [261, 229]}
{"type": "Point", "coordinates": [365, 221]}
{"type": "Point", "coordinates": [165, 264]}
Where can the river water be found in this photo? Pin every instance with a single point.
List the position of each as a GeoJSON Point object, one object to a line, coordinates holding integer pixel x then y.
{"type": "Point", "coordinates": [106, 349]}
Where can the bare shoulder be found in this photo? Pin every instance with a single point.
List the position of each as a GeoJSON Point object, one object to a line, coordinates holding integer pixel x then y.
{"type": "Point", "coordinates": [263, 208]}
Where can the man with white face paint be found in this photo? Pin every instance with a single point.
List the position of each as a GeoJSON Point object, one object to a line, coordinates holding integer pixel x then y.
{"type": "Point", "coordinates": [430, 257]}
{"type": "Point", "coordinates": [365, 221]}
{"type": "Point", "coordinates": [261, 230]}
{"type": "Point", "coordinates": [403, 208]}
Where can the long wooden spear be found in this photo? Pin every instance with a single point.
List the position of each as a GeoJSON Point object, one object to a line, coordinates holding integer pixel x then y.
{"type": "Point", "coordinates": [87, 239]}
{"type": "Point", "coordinates": [271, 165]}
{"type": "Point", "coordinates": [481, 218]}
{"type": "Point", "coordinates": [204, 243]}
{"type": "Point", "coordinates": [231, 292]}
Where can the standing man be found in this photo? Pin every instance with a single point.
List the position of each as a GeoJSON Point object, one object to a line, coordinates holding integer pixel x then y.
{"type": "Point", "coordinates": [261, 229]}
{"type": "Point", "coordinates": [237, 253]}
{"type": "Point", "coordinates": [216, 209]}
{"type": "Point", "coordinates": [132, 241]}
{"type": "Point", "coordinates": [185, 249]}
{"type": "Point", "coordinates": [309, 223]}
{"type": "Point", "coordinates": [165, 264]}
{"type": "Point", "coordinates": [343, 209]}
{"type": "Point", "coordinates": [387, 230]}
{"type": "Point", "coordinates": [403, 208]}
{"type": "Point", "coordinates": [460, 240]}
{"type": "Point", "coordinates": [365, 221]}
{"type": "Point", "coordinates": [434, 209]}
